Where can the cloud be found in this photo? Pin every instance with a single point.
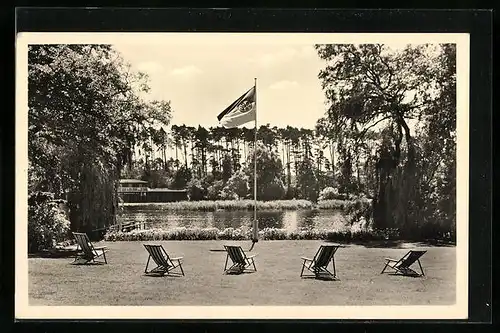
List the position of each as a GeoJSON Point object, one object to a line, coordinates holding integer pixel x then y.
{"type": "Point", "coordinates": [186, 71]}
{"type": "Point", "coordinates": [285, 84]}
{"type": "Point", "coordinates": [150, 67]}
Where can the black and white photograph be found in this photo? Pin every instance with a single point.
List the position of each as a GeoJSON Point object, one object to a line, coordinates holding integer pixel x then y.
{"type": "Point", "coordinates": [242, 175]}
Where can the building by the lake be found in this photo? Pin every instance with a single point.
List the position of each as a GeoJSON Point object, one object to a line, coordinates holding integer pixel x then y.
{"type": "Point", "coordinates": [134, 190]}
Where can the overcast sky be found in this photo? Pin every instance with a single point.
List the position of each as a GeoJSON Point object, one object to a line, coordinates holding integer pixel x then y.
{"type": "Point", "coordinates": [202, 79]}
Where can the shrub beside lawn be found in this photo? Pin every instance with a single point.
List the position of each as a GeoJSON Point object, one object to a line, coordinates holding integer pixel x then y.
{"type": "Point", "coordinates": [245, 234]}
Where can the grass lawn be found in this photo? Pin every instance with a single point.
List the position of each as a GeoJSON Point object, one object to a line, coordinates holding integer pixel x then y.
{"type": "Point", "coordinates": [276, 282]}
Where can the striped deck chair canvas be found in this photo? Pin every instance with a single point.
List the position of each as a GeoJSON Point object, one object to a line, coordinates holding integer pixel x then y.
{"type": "Point", "coordinates": [87, 252]}
{"type": "Point", "coordinates": [319, 264]}
{"type": "Point", "coordinates": [164, 263]}
{"type": "Point", "coordinates": [240, 261]}
{"type": "Point", "coordinates": [402, 266]}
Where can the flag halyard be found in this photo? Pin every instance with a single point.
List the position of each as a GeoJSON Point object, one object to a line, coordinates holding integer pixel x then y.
{"type": "Point", "coordinates": [240, 112]}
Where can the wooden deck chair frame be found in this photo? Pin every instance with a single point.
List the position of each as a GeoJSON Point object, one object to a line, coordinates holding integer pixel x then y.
{"type": "Point", "coordinates": [319, 264]}
{"type": "Point", "coordinates": [240, 261]}
{"type": "Point", "coordinates": [402, 266]}
{"type": "Point", "coordinates": [87, 252]}
{"type": "Point", "coordinates": [164, 263]}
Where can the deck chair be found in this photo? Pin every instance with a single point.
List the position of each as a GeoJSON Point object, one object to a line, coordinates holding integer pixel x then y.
{"type": "Point", "coordinates": [87, 252]}
{"type": "Point", "coordinates": [402, 266]}
{"type": "Point", "coordinates": [164, 264]}
{"type": "Point", "coordinates": [319, 264]}
{"type": "Point", "coordinates": [241, 261]}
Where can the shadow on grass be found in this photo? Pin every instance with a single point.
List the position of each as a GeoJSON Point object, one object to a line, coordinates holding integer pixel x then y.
{"type": "Point", "coordinates": [320, 278]}
{"type": "Point", "coordinates": [76, 263]}
{"type": "Point", "coordinates": [399, 244]}
{"type": "Point", "coordinates": [406, 275]}
{"type": "Point", "coordinates": [54, 254]}
{"type": "Point", "coordinates": [162, 275]}
{"type": "Point", "coordinates": [238, 272]}
{"type": "Point", "coordinates": [438, 243]}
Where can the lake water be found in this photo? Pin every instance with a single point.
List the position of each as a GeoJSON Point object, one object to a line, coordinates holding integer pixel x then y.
{"type": "Point", "coordinates": [289, 220]}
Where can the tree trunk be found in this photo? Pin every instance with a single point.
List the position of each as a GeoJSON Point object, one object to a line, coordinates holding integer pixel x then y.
{"type": "Point", "coordinates": [333, 166]}
{"type": "Point", "coordinates": [245, 149]}
{"type": "Point", "coordinates": [408, 179]}
{"type": "Point", "coordinates": [185, 154]}
{"type": "Point", "coordinates": [192, 155]}
{"type": "Point", "coordinates": [176, 158]}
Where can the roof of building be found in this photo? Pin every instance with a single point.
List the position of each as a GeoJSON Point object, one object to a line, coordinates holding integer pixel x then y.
{"type": "Point", "coordinates": [132, 181]}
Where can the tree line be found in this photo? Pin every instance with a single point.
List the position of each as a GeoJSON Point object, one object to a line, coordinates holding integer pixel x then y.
{"type": "Point", "coordinates": [304, 159]}
{"type": "Point", "coordinates": [388, 132]}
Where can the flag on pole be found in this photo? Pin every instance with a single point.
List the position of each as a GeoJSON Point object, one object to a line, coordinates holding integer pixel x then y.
{"type": "Point", "coordinates": [241, 111]}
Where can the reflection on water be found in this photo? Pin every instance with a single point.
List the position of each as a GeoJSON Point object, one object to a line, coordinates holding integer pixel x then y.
{"type": "Point", "coordinates": [290, 220]}
{"type": "Point", "coordinates": [308, 219]}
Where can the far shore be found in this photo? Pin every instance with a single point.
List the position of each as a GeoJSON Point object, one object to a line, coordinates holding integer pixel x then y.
{"type": "Point", "coordinates": [243, 204]}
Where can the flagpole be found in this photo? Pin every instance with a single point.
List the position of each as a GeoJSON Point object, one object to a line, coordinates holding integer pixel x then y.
{"type": "Point", "coordinates": [235, 116]}
{"type": "Point", "coordinates": [255, 222]}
